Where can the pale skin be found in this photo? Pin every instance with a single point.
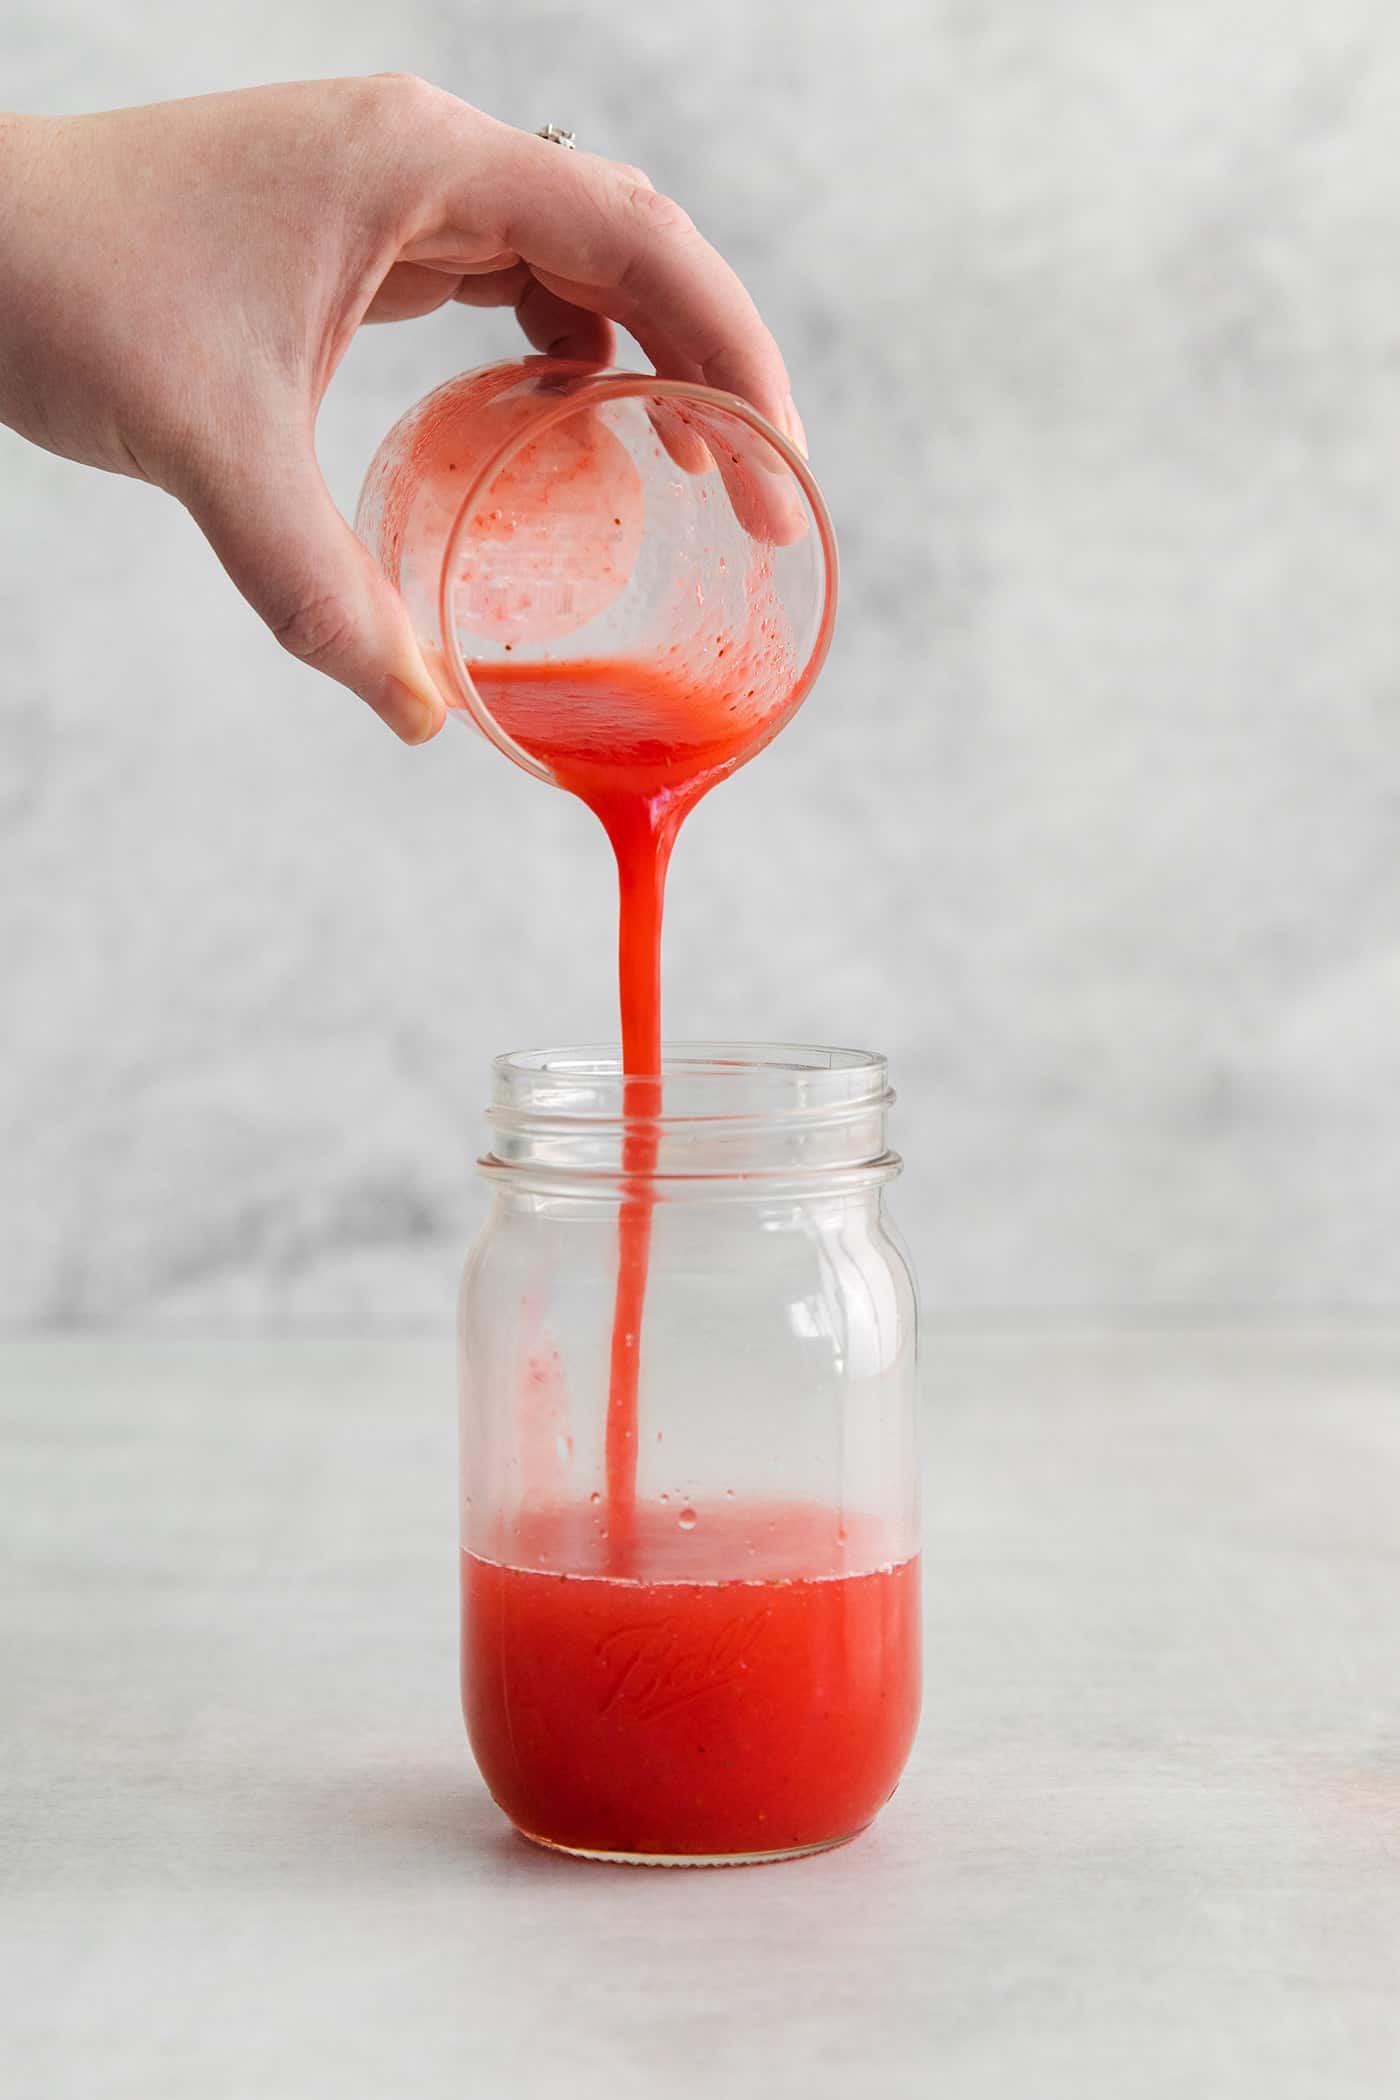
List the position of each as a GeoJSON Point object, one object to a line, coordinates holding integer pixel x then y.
{"type": "Point", "coordinates": [179, 282]}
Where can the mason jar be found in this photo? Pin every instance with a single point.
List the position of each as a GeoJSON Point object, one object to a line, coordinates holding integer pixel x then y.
{"type": "Point", "coordinates": [690, 1604]}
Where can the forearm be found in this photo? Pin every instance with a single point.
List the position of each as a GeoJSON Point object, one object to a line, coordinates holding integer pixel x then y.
{"type": "Point", "coordinates": [20, 151]}
{"type": "Point", "coordinates": [18, 144]}
{"type": "Point", "coordinates": [44, 285]}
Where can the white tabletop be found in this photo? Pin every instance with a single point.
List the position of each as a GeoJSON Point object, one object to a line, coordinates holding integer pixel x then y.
{"type": "Point", "coordinates": [1149, 1843]}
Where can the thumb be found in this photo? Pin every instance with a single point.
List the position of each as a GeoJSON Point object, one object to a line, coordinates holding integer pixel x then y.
{"type": "Point", "coordinates": [274, 527]}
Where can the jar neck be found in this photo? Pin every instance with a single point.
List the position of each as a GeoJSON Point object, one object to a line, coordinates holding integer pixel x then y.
{"type": "Point", "coordinates": [731, 1119]}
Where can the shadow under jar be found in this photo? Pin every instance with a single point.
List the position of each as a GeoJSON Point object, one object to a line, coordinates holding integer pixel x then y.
{"type": "Point", "coordinates": [713, 1658]}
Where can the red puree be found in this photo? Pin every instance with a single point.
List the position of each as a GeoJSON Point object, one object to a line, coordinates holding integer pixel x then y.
{"type": "Point", "coordinates": [683, 1711]}
{"type": "Point", "coordinates": [623, 1691]}
{"type": "Point", "coordinates": [640, 745]}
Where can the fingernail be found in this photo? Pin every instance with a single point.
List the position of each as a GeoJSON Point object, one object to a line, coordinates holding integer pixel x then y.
{"type": "Point", "coordinates": [408, 713]}
{"type": "Point", "coordinates": [794, 426]}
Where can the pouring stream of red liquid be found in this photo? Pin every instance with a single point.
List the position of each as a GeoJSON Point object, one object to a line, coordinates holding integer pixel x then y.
{"type": "Point", "coordinates": [640, 744]}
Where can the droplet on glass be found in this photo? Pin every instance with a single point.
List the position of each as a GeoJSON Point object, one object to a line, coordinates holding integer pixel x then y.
{"type": "Point", "coordinates": [687, 1519]}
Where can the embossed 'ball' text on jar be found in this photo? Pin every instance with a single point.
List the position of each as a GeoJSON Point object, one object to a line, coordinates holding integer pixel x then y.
{"type": "Point", "coordinates": [691, 1636]}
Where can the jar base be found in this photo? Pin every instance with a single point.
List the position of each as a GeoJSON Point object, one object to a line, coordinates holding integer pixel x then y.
{"type": "Point", "coordinates": [691, 1859]}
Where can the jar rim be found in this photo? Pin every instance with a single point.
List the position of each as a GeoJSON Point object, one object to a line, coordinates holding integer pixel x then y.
{"type": "Point", "coordinates": [698, 1081]}
{"type": "Point", "coordinates": [720, 1119]}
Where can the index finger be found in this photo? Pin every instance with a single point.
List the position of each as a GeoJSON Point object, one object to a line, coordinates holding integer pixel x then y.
{"type": "Point", "coordinates": [602, 240]}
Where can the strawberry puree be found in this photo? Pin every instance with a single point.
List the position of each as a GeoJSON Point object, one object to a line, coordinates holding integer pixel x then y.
{"type": "Point", "coordinates": [688, 1710]}
{"type": "Point", "coordinates": [640, 745]}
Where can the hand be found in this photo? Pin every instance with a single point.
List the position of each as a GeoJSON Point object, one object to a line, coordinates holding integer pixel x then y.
{"type": "Point", "coordinates": [178, 283]}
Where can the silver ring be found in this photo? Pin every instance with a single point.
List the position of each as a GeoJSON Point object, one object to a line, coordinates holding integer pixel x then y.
{"type": "Point", "coordinates": [558, 136]}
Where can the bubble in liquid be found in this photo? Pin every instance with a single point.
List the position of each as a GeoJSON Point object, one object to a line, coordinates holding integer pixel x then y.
{"type": "Point", "coordinates": [687, 1519]}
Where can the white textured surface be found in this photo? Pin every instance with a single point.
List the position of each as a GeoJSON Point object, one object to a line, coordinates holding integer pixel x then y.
{"type": "Point", "coordinates": [1149, 1845]}
{"type": "Point", "coordinates": [1092, 312]}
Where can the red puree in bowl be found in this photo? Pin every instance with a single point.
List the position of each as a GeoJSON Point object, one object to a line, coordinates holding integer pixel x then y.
{"type": "Point", "coordinates": [747, 1683]}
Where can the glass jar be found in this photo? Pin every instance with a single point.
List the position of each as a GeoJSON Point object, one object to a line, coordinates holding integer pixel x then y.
{"type": "Point", "coordinates": [714, 1659]}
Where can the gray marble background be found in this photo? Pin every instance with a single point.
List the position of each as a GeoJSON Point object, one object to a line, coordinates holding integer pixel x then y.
{"type": "Point", "coordinates": [1094, 823]}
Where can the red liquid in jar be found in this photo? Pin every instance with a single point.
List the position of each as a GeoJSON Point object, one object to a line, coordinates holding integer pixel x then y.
{"type": "Point", "coordinates": [686, 1710]}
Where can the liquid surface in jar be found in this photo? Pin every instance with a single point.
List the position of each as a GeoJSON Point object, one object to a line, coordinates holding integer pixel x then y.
{"type": "Point", "coordinates": [687, 1709]}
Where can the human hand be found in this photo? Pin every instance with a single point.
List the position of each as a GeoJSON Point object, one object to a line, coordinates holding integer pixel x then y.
{"type": "Point", "coordinates": [179, 282]}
